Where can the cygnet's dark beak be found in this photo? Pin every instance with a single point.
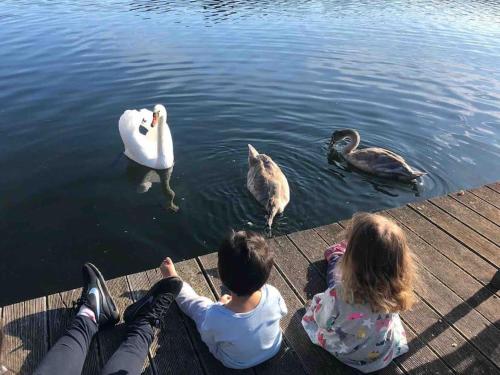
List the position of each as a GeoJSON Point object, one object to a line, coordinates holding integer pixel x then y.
{"type": "Point", "coordinates": [155, 120]}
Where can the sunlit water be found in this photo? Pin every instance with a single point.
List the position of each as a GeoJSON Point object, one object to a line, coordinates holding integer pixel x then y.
{"type": "Point", "coordinates": [419, 77]}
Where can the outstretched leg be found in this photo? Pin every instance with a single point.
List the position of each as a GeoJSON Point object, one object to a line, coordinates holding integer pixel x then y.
{"type": "Point", "coordinates": [96, 309]}
{"type": "Point", "coordinates": [141, 318]}
{"type": "Point", "coordinates": [130, 356]}
{"type": "Point", "coordinates": [67, 356]}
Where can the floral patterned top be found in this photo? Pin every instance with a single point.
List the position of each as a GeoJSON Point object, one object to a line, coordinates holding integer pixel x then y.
{"type": "Point", "coordinates": [354, 334]}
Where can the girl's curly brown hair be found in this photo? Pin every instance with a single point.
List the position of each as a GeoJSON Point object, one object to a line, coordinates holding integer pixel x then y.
{"type": "Point", "coordinates": [377, 267]}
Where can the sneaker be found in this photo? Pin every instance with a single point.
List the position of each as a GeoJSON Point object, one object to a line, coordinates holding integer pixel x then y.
{"type": "Point", "coordinates": [95, 296]}
{"type": "Point", "coordinates": [155, 304]}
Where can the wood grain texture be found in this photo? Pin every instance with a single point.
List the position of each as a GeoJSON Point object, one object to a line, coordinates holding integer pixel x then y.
{"type": "Point", "coordinates": [480, 206]}
{"type": "Point", "coordinates": [494, 186]}
{"type": "Point", "coordinates": [487, 194]}
{"type": "Point", "coordinates": [331, 233]}
{"type": "Point", "coordinates": [469, 217]}
{"type": "Point", "coordinates": [459, 254]}
{"type": "Point", "coordinates": [420, 359]}
{"type": "Point", "coordinates": [301, 276]}
{"type": "Point", "coordinates": [482, 334]}
{"type": "Point", "coordinates": [312, 246]}
{"type": "Point", "coordinates": [25, 335]}
{"type": "Point", "coordinates": [464, 285]}
{"type": "Point", "coordinates": [445, 341]}
{"type": "Point", "coordinates": [60, 314]}
{"type": "Point", "coordinates": [462, 233]}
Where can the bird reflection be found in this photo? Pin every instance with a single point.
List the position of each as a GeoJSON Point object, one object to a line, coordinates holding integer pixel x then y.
{"type": "Point", "coordinates": [145, 177]}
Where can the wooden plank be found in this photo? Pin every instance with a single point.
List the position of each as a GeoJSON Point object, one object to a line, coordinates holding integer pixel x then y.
{"type": "Point", "coordinates": [190, 272]}
{"type": "Point", "coordinates": [331, 233]}
{"type": "Point", "coordinates": [305, 280]}
{"type": "Point", "coordinates": [470, 218]}
{"type": "Point", "coordinates": [455, 311]}
{"type": "Point", "coordinates": [292, 365]}
{"type": "Point", "coordinates": [488, 195]}
{"type": "Point", "coordinates": [476, 266]}
{"type": "Point", "coordinates": [480, 206]}
{"type": "Point", "coordinates": [420, 359]}
{"type": "Point", "coordinates": [446, 342]}
{"type": "Point", "coordinates": [25, 335]}
{"type": "Point", "coordinates": [494, 186]}
{"type": "Point", "coordinates": [60, 314]}
{"type": "Point", "coordinates": [464, 285]}
{"type": "Point", "coordinates": [312, 246]}
{"type": "Point", "coordinates": [172, 350]}
{"type": "Point", "coordinates": [474, 241]}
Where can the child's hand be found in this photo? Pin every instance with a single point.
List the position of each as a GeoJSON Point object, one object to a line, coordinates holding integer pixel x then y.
{"type": "Point", "coordinates": [167, 268]}
{"type": "Point", "coordinates": [225, 299]}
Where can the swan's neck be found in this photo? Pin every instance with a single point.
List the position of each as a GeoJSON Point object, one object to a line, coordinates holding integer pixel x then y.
{"type": "Point", "coordinates": [161, 134]}
{"type": "Point", "coordinates": [353, 144]}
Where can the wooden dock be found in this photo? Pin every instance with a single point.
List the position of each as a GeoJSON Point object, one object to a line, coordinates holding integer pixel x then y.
{"type": "Point", "coordinates": [454, 327]}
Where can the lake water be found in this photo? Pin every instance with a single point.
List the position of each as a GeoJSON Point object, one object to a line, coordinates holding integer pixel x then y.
{"type": "Point", "coordinates": [419, 77]}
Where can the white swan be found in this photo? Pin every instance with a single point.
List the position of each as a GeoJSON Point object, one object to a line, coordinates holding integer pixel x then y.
{"type": "Point", "coordinates": [146, 143]}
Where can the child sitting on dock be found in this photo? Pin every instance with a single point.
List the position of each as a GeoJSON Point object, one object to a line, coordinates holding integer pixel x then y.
{"type": "Point", "coordinates": [370, 279]}
{"type": "Point", "coordinates": [242, 329]}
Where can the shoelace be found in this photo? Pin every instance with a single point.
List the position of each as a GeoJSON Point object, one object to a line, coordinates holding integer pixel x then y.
{"type": "Point", "coordinates": [159, 309]}
{"type": "Point", "coordinates": [79, 302]}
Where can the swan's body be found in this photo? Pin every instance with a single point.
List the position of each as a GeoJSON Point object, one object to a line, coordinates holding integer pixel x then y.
{"type": "Point", "coordinates": [267, 183]}
{"type": "Point", "coordinates": [374, 160]}
{"type": "Point", "coordinates": [146, 137]}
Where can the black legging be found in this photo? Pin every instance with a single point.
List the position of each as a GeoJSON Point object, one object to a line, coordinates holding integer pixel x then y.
{"type": "Point", "coordinates": [67, 356]}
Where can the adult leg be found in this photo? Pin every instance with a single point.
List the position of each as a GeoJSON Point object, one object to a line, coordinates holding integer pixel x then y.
{"type": "Point", "coordinates": [96, 309]}
{"type": "Point", "coordinates": [148, 312]}
{"type": "Point", "coordinates": [130, 356]}
{"type": "Point", "coordinates": [68, 353]}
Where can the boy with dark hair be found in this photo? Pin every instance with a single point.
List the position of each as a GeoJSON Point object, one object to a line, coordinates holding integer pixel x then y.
{"type": "Point", "coordinates": [242, 329]}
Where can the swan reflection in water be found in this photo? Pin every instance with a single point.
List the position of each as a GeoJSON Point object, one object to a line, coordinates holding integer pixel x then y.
{"type": "Point", "coordinates": [145, 177]}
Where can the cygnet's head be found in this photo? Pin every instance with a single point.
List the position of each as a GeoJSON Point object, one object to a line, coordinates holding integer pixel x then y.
{"type": "Point", "coordinates": [159, 112]}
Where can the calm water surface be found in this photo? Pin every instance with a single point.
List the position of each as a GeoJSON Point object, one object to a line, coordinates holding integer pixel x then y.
{"type": "Point", "coordinates": [419, 77]}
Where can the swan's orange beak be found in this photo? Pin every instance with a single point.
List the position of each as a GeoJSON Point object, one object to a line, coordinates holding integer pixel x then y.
{"type": "Point", "coordinates": [155, 120]}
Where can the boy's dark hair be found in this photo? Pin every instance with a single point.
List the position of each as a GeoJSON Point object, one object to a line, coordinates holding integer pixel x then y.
{"type": "Point", "coordinates": [245, 262]}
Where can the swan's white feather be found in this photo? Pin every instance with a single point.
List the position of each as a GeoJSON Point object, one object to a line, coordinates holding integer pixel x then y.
{"type": "Point", "coordinates": [144, 148]}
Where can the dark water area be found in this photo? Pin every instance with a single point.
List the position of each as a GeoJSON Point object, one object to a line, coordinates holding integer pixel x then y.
{"type": "Point", "coordinates": [421, 78]}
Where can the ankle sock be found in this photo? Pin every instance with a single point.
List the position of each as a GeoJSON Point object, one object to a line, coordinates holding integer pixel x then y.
{"type": "Point", "coordinates": [85, 311]}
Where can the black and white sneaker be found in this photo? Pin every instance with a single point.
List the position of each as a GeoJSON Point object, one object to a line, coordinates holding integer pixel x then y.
{"type": "Point", "coordinates": [155, 304]}
{"type": "Point", "coordinates": [95, 296]}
